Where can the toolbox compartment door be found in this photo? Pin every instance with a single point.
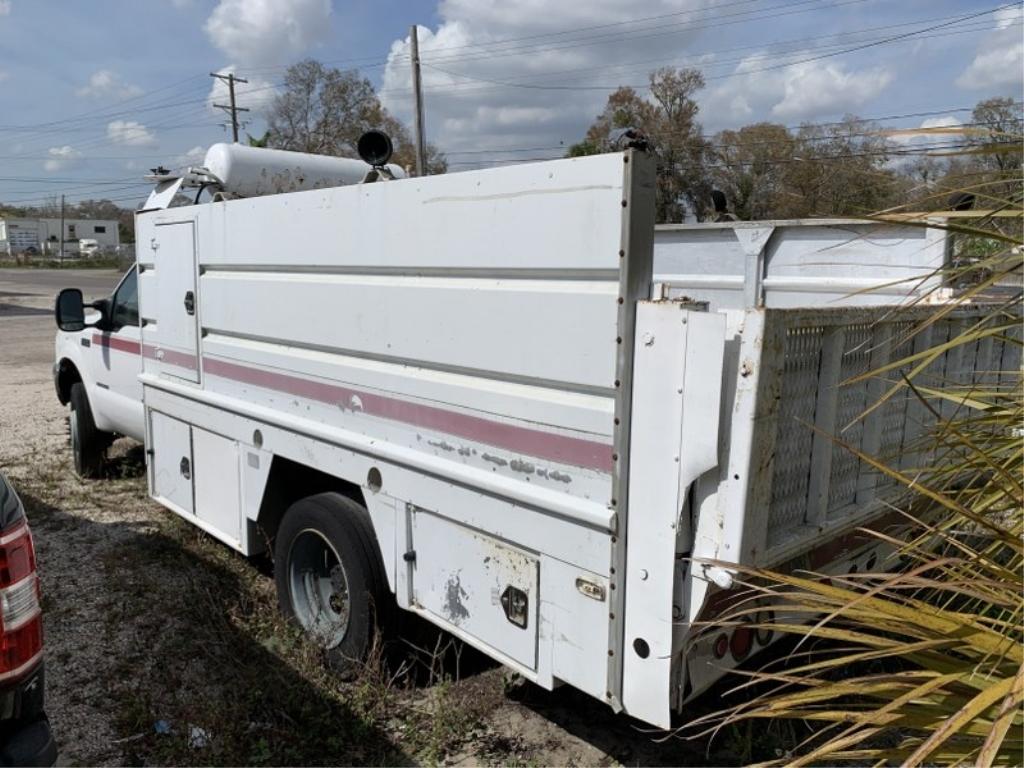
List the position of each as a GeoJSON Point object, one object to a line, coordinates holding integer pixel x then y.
{"type": "Point", "coordinates": [171, 338]}
{"type": "Point", "coordinates": [170, 462]}
{"type": "Point", "coordinates": [218, 501]}
{"type": "Point", "coordinates": [479, 587]}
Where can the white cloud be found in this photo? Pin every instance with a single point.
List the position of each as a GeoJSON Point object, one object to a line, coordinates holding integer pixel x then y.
{"type": "Point", "coordinates": [561, 82]}
{"type": "Point", "coordinates": [929, 131]}
{"type": "Point", "coordinates": [194, 156]}
{"type": "Point", "coordinates": [946, 121]}
{"type": "Point", "coordinates": [267, 32]}
{"type": "Point", "coordinates": [999, 61]}
{"type": "Point", "coordinates": [466, 50]}
{"type": "Point", "coordinates": [5, 7]}
{"type": "Point", "coordinates": [802, 91]}
{"type": "Point", "coordinates": [61, 158]}
{"type": "Point", "coordinates": [812, 89]}
{"type": "Point", "coordinates": [1007, 17]}
{"type": "Point", "coordinates": [104, 82]}
{"type": "Point", "coordinates": [130, 133]}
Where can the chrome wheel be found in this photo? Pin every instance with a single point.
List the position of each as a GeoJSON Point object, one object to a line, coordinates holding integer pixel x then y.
{"type": "Point", "coordinates": [318, 588]}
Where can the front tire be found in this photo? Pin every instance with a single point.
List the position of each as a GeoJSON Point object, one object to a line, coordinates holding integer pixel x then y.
{"type": "Point", "coordinates": [329, 576]}
{"type": "Point", "coordinates": [88, 444]}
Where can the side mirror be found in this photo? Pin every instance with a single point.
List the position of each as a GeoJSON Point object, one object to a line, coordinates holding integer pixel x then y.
{"type": "Point", "coordinates": [69, 310]}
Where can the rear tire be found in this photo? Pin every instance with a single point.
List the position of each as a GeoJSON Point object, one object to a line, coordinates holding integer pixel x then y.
{"type": "Point", "coordinates": [329, 576]}
{"type": "Point", "coordinates": [88, 444]}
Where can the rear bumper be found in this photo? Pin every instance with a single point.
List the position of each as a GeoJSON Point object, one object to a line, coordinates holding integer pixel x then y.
{"type": "Point", "coordinates": [25, 736]}
{"type": "Point", "coordinates": [28, 742]}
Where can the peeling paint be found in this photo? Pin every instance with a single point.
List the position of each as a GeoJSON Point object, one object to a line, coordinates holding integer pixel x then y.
{"type": "Point", "coordinates": [494, 459]}
{"type": "Point", "coordinates": [454, 610]}
{"type": "Point", "coordinates": [518, 465]}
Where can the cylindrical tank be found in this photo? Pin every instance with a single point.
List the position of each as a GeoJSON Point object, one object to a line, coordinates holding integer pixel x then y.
{"type": "Point", "coordinates": [254, 171]}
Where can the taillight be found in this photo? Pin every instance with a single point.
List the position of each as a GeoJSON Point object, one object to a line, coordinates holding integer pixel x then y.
{"type": "Point", "coordinates": [21, 621]}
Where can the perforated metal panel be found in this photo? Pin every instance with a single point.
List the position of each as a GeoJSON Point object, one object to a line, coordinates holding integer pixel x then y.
{"type": "Point", "coordinates": [793, 446]}
{"type": "Point", "coordinates": [894, 413]}
{"type": "Point", "coordinates": [815, 391]}
{"type": "Point", "coordinates": [849, 428]}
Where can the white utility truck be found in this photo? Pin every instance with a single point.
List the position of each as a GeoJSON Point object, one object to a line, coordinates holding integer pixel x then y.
{"type": "Point", "coordinates": [478, 398]}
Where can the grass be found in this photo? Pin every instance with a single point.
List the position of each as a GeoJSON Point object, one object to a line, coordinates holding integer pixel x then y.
{"type": "Point", "coordinates": [197, 642]}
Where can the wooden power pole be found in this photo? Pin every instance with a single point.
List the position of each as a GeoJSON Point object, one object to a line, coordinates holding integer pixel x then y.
{"type": "Point", "coordinates": [417, 89]}
{"type": "Point", "coordinates": [231, 109]}
{"type": "Point", "coordinates": [62, 230]}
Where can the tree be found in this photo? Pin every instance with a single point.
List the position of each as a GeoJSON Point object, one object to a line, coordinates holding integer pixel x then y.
{"type": "Point", "coordinates": [669, 120]}
{"type": "Point", "coordinates": [997, 136]}
{"type": "Point", "coordinates": [259, 141]}
{"type": "Point", "coordinates": [839, 169]}
{"type": "Point", "coordinates": [750, 167]}
{"type": "Point", "coordinates": [325, 110]}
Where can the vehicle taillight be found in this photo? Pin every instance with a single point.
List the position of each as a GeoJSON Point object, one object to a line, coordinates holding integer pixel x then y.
{"type": "Point", "coordinates": [21, 621]}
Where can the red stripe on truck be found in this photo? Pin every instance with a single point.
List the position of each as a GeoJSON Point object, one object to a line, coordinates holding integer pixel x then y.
{"type": "Point", "coordinates": [531, 442]}
{"type": "Point", "coordinates": [523, 440]}
{"type": "Point", "coordinates": [113, 342]}
{"type": "Point", "coordinates": [169, 356]}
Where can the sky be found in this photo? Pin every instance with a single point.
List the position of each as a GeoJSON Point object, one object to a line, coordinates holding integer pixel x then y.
{"type": "Point", "coordinates": [97, 92]}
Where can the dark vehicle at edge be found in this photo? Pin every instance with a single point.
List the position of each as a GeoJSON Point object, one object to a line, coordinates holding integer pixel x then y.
{"type": "Point", "coordinates": [25, 736]}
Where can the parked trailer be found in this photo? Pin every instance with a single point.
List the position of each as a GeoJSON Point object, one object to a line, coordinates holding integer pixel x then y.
{"type": "Point", "coordinates": [467, 400]}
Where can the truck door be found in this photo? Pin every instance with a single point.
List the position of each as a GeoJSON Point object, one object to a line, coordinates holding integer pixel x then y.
{"type": "Point", "coordinates": [116, 361]}
{"type": "Point", "coordinates": [171, 343]}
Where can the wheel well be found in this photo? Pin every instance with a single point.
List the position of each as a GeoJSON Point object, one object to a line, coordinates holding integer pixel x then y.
{"type": "Point", "coordinates": [67, 375]}
{"type": "Point", "coordinates": [290, 481]}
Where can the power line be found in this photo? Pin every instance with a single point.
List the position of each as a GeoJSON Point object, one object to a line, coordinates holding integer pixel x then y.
{"type": "Point", "coordinates": [489, 51]}
{"type": "Point", "coordinates": [798, 46]}
{"type": "Point", "coordinates": [490, 45]}
{"type": "Point", "coordinates": [751, 143]}
{"type": "Point", "coordinates": [575, 30]}
{"type": "Point", "coordinates": [92, 112]}
{"type": "Point", "coordinates": [469, 87]}
{"type": "Point", "coordinates": [899, 152]}
{"type": "Point", "coordinates": [851, 49]}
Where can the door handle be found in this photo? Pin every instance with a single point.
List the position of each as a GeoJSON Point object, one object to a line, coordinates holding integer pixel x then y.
{"type": "Point", "coordinates": [190, 302]}
{"type": "Point", "coordinates": [186, 468]}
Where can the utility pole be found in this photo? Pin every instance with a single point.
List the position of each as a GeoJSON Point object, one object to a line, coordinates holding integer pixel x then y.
{"type": "Point", "coordinates": [62, 230]}
{"type": "Point", "coordinates": [417, 89]}
{"type": "Point", "coordinates": [232, 110]}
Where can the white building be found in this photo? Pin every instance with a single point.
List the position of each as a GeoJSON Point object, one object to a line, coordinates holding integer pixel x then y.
{"type": "Point", "coordinates": [18, 235]}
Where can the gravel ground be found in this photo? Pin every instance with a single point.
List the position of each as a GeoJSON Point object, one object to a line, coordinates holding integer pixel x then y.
{"type": "Point", "coordinates": [34, 455]}
{"type": "Point", "coordinates": [147, 618]}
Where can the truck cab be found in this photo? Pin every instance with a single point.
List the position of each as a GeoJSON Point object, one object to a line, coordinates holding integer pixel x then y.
{"type": "Point", "coordinates": [96, 370]}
